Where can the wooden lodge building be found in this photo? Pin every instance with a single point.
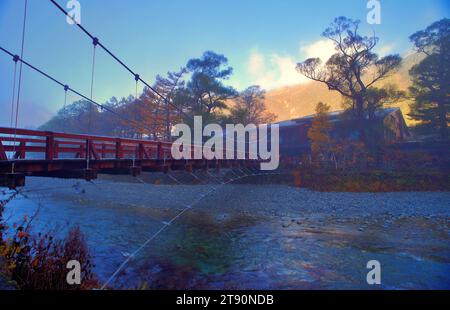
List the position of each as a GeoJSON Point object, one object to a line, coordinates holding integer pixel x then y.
{"type": "Point", "coordinates": [389, 124]}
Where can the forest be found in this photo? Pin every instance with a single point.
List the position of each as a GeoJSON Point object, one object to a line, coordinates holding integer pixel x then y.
{"type": "Point", "coordinates": [354, 71]}
{"type": "Point", "coordinates": [199, 88]}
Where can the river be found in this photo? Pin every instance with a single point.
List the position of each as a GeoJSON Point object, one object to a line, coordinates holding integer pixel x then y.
{"type": "Point", "coordinates": [247, 236]}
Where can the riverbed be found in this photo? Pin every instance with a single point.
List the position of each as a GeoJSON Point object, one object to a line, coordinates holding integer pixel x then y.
{"type": "Point", "coordinates": [246, 236]}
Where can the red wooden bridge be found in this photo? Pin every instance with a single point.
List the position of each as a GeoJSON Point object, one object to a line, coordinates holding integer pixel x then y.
{"type": "Point", "coordinates": [51, 154]}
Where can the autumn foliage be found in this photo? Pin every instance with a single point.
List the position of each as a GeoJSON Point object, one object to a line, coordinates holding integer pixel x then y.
{"type": "Point", "coordinates": [319, 134]}
{"type": "Point", "coordinates": [39, 262]}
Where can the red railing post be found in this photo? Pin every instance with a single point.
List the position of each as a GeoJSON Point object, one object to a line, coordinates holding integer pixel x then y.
{"type": "Point", "coordinates": [160, 153]}
{"type": "Point", "coordinates": [93, 150]}
{"type": "Point", "coordinates": [2, 152]}
{"type": "Point", "coordinates": [21, 151]}
{"type": "Point", "coordinates": [141, 151]}
{"type": "Point", "coordinates": [88, 149]}
{"type": "Point", "coordinates": [49, 146]}
{"type": "Point", "coordinates": [56, 149]}
{"type": "Point", "coordinates": [118, 148]}
{"type": "Point", "coordinates": [81, 153]}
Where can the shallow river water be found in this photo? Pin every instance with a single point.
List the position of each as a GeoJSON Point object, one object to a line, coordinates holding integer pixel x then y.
{"type": "Point", "coordinates": [248, 236]}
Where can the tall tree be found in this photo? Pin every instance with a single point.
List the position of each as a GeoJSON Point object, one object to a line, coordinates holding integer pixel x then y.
{"type": "Point", "coordinates": [319, 133]}
{"type": "Point", "coordinates": [165, 112]}
{"type": "Point", "coordinates": [250, 107]}
{"type": "Point", "coordinates": [354, 68]}
{"type": "Point", "coordinates": [207, 82]}
{"type": "Point", "coordinates": [172, 109]}
{"type": "Point", "coordinates": [431, 77]}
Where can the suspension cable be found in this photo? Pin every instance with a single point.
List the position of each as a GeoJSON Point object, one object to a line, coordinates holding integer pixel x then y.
{"type": "Point", "coordinates": [20, 79]}
{"type": "Point", "coordinates": [136, 79]}
{"type": "Point", "coordinates": [20, 66]}
{"type": "Point", "coordinates": [94, 42]}
{"type": "Point", "coordinates": [136, 103]}
{"type": "Point", "coordinates": [15, 59]}
{"type": "Point", "coordinates": [65, 118]}
{"type": "Point", "coordinates": [118, 60]}
{"type": "Point", "coordinates": [136, 125]}
{"type": "Point", "coordinates": [164, 98]}
{"type": "Point", "coordinates": [88, 146]}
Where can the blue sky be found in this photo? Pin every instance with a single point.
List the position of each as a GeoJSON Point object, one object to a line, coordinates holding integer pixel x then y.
{"type": "Point", "coordinates": [263, 39]}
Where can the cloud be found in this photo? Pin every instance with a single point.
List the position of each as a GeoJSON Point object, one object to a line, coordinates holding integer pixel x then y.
{"type": "Point", "coordinates": [322, 49]}
{"type": "Point", "coordinates": [256, 63]}
{"type": "Point", "coordinates": [386, 49]}
{"type": "Point", "coordinates": [275, 70]}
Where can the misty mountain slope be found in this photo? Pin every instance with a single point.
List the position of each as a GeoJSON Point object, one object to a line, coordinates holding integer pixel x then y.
{"type": "Point", "coordinates": [300, 100]}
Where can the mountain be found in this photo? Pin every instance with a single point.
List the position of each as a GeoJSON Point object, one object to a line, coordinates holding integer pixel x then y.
{"type": "Point", "coordinates": [300, 100]}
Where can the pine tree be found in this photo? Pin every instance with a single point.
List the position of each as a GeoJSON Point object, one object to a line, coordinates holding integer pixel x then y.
{"type": "Point", "coordinates": [431, 78]}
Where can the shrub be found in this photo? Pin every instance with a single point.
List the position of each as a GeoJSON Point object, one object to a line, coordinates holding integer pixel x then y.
{"type": "Point", "coordinates": [39, 262]}
{"type": "Point", "coordinates": [375, 181]}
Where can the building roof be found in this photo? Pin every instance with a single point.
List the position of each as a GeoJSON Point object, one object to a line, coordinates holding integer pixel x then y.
{"type": "Point", "coordinates": [334, 117]}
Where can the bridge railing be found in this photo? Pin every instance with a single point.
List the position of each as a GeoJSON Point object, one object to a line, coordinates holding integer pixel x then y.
{"type": "Point", "coordinates": [25, 144]}
{"type": "Point", "coordinates": [33, 144]}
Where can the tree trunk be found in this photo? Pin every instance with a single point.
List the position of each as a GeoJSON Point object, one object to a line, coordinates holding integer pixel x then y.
{"type": "Point", "coordinates": [360, 118]}
{"type": "Point", "coordinates": [168, 132]}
